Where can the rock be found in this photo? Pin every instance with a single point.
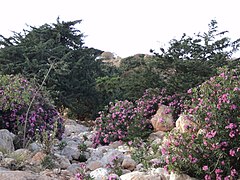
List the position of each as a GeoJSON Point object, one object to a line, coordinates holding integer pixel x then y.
{"type": "Point", "coordinates": [21, 155]}
{"type": "Point", "coordinates": [22, 175]}
{"type": "Point", "coordinates": [140, 167]}
{"type": "Point", "coordinates": [1, 155]}
{"type": "Point", "coordinates": [160, 172]}
{"type": "Point", "coordinates": [34, 147]}
{"type": "Point", "coordinates": [63, 162]}
{"type": "Point", "coordinates": [156, 135]}
{"type": "Point", "coordinates": [124, 149]}
{"type": "Point", "coordinates": [8, 163]}
{"type": "Point", "coordinates": [174, 176]}
{"type": "Point", "coordinates": [185, 124]}
{"type": "Point", "coordinates": [71, 152]}
{"type": "Point", "coordinates": [74, 129]}
{"type": "Point", "coordinates": [129, 164]}
{"type": "Point", "coordinates": [74, 168]}
{"type": "Point", "coordinates": [99, 174]}
{"type": "Point", "coordinates": [110, 155]}
{"type": "Point", "coordinates": [131, 175]}
{"type": "Point", "coordinates": [37, 158]}
{"type": "Point", "coordinates": [163, 120]}
{"type": "Point", "coordinates": [116, 144]}
{"type": "Point", "coordinates": [92, 165]}
{"type": "Point", "coordinates": [6, 141]}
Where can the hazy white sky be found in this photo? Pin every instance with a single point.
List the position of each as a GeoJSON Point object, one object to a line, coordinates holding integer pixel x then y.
{"type": "Point", "coordinates": [125, 27]}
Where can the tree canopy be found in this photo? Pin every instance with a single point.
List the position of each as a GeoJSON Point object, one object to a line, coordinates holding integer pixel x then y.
{"type": "Point", "coordinates": [72, 80]}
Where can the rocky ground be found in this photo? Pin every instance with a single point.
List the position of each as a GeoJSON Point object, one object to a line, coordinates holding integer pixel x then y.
{"type": "Point", "coordinates": [104, 162]}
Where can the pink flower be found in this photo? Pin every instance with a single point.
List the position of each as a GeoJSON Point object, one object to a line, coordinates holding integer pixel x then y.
{"type": "Point", "coordinates": [161, 120]}
{"type": "Point", "coordinates": [218, 171]}
{"type": "Point", "coordinates": [232, 152]}
{"type": "Point", "coordinates": [231, 126]}
{"type": "Point", "coordinates": [211, 134]}
{"type": "Point", "coordinates": [205, 168]}
{"type": "Point", "coordinates": [189, 91]}
{"type": "Point", "coordinates": [233, 107]}
{"type": "Point", "coordinates": [233, 172]}
{"type": "Point", "coordinates": [207, 177]}
{"type": "Point", "coordinates": [232, 134]}
{"type": "Point", "coordinates": [130, 143]}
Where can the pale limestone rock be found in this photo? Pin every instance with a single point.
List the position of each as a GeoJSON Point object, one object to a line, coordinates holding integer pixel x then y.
{"type": "Point", "coordinates": [163, 120]}
{"type": "Point", "coordinates": [92, 165]}
{"type": "Point", "coordinates": [185, 124]}
{"type": "Point", "coordinates": [6, 141]}
{"type": "Point", "coordinates": [37, 158]}
{"type": "Point", "coordinates": [129, 164]}
{"type": "Point", "coordinates": [22, 175]}
{"type": "Point", "coordinates": [100, 174]}
{"type": "Point", "coordinates": [131, 175]}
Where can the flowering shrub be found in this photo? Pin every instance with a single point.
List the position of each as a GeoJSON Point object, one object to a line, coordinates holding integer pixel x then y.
{"type": "Point", "coordinates": [15, 96]}
{"type": "Point", "coordinates": [213, 152]}
{"type": "Point", "coordinates": [124, 120]}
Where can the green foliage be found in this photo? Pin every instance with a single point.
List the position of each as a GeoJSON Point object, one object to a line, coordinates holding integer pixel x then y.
{"type": "Point", "coordinates": [214, 150]}
{"type": "Point", "coordinates": [48, 162]}
{"type": "Point", "coordinates": [191, 60]}
{"type": "Point", "coordinates": [72, 82]}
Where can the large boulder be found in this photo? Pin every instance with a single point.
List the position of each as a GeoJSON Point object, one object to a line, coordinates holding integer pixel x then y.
{"type": "Point", "coordinates": [163, 119]}
{"type": "Point", "coordinates": [185, 124]}
{"type": "Point", "coordinates": [6, 141]}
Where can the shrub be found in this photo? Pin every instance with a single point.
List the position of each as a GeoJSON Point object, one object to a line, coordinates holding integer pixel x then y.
{"type": "Point", "coordinates": [125, 120]}
{"type": "Point", "coordinates": [213, 152]}
{"type": "Point", "coordinates": [15, 96]}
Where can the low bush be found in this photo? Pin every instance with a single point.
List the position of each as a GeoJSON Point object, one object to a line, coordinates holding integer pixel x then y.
{"type": "Point", "coordinates": [16, 94]}
{"type": "Point", "coordinates": [125, 120]}
{"type": "Point", "coordinates": [213, 152]}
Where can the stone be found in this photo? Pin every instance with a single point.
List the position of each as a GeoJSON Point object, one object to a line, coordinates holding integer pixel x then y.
{"type": "Point", "coordinates": [34, 147]}
{"type": "Point", "coordinates": [22, 175]}
{"type": "Point", "coordinates": [99, 174]}
{"type": "Point", "coordinates": [21, 155]}
{"type": "Point", "coordinates": [92, 165]}
{"type": "Point", "coordinates": [74, 168]}
{"type": "Point", "coordinates": [37, 158]}
{"type": "Point", "coordinates": [62, 161]}
{"type": "Point", "coordinates": [131, 175]}
{"type": "Point", "coordinates": [163, 119]}
{"type": "Point", "coordinates": [116, 144]}
{"type": "Point", "coordinates": [74, 129]}
{"type": "Point", "coordinates": [156, 135]}
{"type": "Point", "coordinates": [139, 167]}
{"type": "Point", "coordinates": [6, 141]}
{"type": "Point", "coordinates": [71, 152]}
{"type": "Point", "coordinates": [1, 156]}
{"type": "Point", "coordinates": [129, 164]}
{"type": "Point", "coordinates": [174, 176]}
{"type": "Point", "coordinates": [110, 155]}
{"type": "Point", "coordinates": [185, 124]}
{"type": "Point", "coordinates": [8, 163]}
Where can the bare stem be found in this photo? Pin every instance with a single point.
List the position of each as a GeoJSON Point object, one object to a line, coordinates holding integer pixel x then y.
{"type": "Point", "coordinates": [30, 105]}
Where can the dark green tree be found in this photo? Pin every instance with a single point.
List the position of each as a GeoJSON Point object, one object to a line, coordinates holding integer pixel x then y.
{"type": "Point", "coordinates": [191, 60]}
{"type": "Point", "coordinates": [72, 81]}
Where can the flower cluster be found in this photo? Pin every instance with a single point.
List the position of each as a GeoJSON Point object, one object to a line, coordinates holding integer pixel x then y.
{"type": "Point", "coordinates": [16, 94]}
{"type": "Point", "coordinates": [213, 151]}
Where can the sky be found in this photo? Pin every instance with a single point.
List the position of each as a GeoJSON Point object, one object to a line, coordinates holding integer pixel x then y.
{"type": "Point", "coordinates": [124, 27]}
